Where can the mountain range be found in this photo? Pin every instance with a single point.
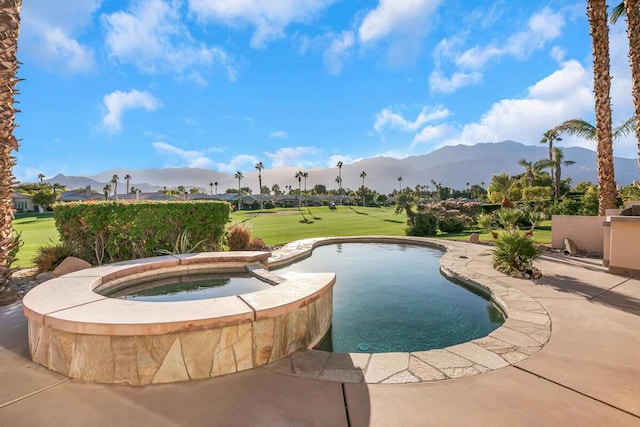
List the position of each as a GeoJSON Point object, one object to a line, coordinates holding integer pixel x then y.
{"type": "Point", "coordinates": [452, 166]}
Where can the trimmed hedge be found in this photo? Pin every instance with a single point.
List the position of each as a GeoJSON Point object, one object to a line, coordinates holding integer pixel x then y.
{"type": "Point", "coordinates": [113, 231]}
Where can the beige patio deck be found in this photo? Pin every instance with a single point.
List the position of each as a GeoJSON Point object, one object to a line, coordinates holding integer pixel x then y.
{"type": "Point", "coordinates": [588, 374]}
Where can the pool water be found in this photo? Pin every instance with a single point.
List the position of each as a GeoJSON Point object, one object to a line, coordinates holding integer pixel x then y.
{"type": "Point", "coordinates": [192, 287]}
{"type": "Point", "coordinates": [392, 298]}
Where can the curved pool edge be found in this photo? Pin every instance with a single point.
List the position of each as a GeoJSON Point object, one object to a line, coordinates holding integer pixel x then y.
{"type": "Point", "coordinates": [526, 330]}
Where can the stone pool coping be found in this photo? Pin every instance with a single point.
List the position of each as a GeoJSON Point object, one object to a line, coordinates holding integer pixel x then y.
{"type": "Point", "coordinates": [80, 333]}
{"type": "Point", "coordinates": [526, 330]}
{"type": "Point", "coordinates": [71, 303]}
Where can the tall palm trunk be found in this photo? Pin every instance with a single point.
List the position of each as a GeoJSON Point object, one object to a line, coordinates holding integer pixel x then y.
{"type": "Point", "coordinates": [10, 25]}
{"type": "Point", "coordinates": [597, 14]}
{"type": "Point", "coordinates": [633, 32]}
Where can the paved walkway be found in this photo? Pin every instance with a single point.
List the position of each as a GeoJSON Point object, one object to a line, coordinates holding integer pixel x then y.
{"type": "Point", "coordinates": [588, 374]}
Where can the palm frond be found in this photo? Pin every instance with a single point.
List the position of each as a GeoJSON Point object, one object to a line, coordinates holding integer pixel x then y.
{"type": "Point", "coordinates": [617, 12]}
{"type": "Point", "coordinates": [578, 127]}
{"type": "Point", "coordinates": [625, 128]}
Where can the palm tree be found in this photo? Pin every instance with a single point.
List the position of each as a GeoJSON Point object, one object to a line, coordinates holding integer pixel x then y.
{"type": "Point", "coordinates": [211, 188]}
{"type": "Point", "coordinates": [363, 174]}
{"type": "Point", "coordinates": [558, 162]}
{"type": "Point", "coordinates": [41, 177]}
{"type": "Point", "coordinates": [549, 137]}
{"type": "Point", "coordinates": [114, 181]}
{"type": "Point", "coordinates": [238, 175]}
{"type": "Point", "coordinates": [305, 175]}
{"type": "Point", "coordinates": [215, 184]}
{"type": "Point", "coordinates": [299, 175]}
{"type": "Point", "coordinates": [106, 190]}
{"type": "Point", "coordinates": [583, 129]}
{"type": "Point", "coordinates": [405, 202]}
{"type": "Point", "coordinates": [532, 169]}
{"type": "Point", "coordinates": [599, 29]}
{"type": "Point", "coordinates": [259, 166]}
{"type": "Point", "coordinates": [339, 179]}
{"type": "Point", "coordinates": [400, 182]}
{"type": "Point", "coordinates": [127, 178]}
{"type": "Point", "coordinates": [10, 23]}
{"type": "Point", "coordinates": [631, 8]}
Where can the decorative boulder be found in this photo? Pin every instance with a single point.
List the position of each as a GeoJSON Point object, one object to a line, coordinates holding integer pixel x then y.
{"type": "Point", "coordinates": [474, 238]}
{"type": "Point", "coordinates": [570, 247]}
{"type": "Point", "coordinates": [69, 265]}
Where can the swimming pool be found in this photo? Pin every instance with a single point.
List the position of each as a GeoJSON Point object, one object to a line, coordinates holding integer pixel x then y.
{"type": "Point", "coordinates": [392, 298]}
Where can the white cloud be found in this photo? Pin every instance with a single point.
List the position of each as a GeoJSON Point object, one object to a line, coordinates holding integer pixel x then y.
{"type": "Point", "coordinates": [295, 156]}
{"type": "Point", "coordinates": [151, 36]}
{"type": "Point", "coordinates": [238, 163]}
{"type": "Point", "coordinates": [564, 94]}
{"type": "Point", "coordinates": [441, 84]}
{"type": "Point", "coordinates": [47, 33]}
{"type": "Point", "coordinates": [387, 118]}
{"type": "Point", "coordinates": [269, 18]}
{"type": "Point", "coordinates": [395, 16]}
{"type": "Point", "coordinates": [118, 102]}
{"type": "Point", "coordinates": [431, 133]}
{"type": "Point", "coordinates": [278, 134]}
{"type": "Point", "coordinates": [338, 51]}
{"type": "Point", "coordinates": [542, 28]}
{"type": "Point", "coordinates": [181, 158]}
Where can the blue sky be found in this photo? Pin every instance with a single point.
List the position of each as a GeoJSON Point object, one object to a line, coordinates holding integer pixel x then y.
{"type": "Point", "coordinates": [222, 84]}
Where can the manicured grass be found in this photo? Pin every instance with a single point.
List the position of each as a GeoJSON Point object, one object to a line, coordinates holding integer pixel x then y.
{"type": "Point", "coordinates": [280, 226]}
{"type": "Point", "coordinates": [37, 230]}
{"type": "Point", "coordinates": [541, 234]}
{"type": "Point", "coordinates": [276, 227]}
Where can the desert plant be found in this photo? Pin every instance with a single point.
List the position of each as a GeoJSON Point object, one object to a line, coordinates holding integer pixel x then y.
{"type": "Point", "coordinates": [508, 218]}
{"type": "Point", "coordinates": [238, 236]}
{"type": "Point", "coordinates": [485, 221]}
{"type": "Point", "coordinates": [50, 255]}
{"type": "Point", "coordinates": [182, 245]}
{"type": "Point", "coordinates": [514, 252]}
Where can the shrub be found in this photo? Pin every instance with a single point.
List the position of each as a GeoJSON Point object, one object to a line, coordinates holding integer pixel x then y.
{"type": "Point", "coordinates": [536, 193]}
{"type": "Point", "coordinates": [590, 202]}
{"type": "Point", "coordinates": [238, 236]}
{"type": "Point", "coordinates": [11, 246]}
{"type": "Point", "coordinates": [423, 223]}
{"type": "Point", "coordinates": [50, 255]}
{"type": "Point", "coordinates": [256, 244]}
{"type": "Point", "coordinates": [513, 252]}
{"type": "Point", "coordinates": [568, 206]}
{"type": "Point", "coordinates": [269, 204]}
{"type": "Point", "coordinates": [118, 230]}
{"type": "Point", "coordinates": [454, 222]}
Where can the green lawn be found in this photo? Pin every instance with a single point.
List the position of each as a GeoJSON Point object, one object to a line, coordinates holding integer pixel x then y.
{"type": "Point", "coordinates": [37, 230]}
{"type": "Point", "coordinates": [275, 227]}
{"type": "Point", "coordinates": [282, 226]}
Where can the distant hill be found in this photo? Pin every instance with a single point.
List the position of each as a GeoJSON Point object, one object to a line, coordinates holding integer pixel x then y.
{"type": "Point", "coordinates": [452, 166]}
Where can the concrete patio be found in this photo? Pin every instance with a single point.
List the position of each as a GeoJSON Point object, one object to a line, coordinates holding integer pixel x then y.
{"type": "Point", "coordinates": [588, 374]}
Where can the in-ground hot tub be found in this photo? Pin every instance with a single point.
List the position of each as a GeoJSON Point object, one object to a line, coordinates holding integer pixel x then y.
{"type": "Point", "coordinates": [75, 330]}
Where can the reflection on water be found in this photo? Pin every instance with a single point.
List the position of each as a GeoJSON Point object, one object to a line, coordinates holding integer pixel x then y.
{"type": "Point", "coordinates": [392, 297]}
{"type": "Point", "coordinates": [192, 287]}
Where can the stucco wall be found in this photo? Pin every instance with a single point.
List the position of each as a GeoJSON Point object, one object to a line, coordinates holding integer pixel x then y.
{"type": "Point", "coordinates": [624, 257]}
{"type": "Point", "coordinates": [585, 231]}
